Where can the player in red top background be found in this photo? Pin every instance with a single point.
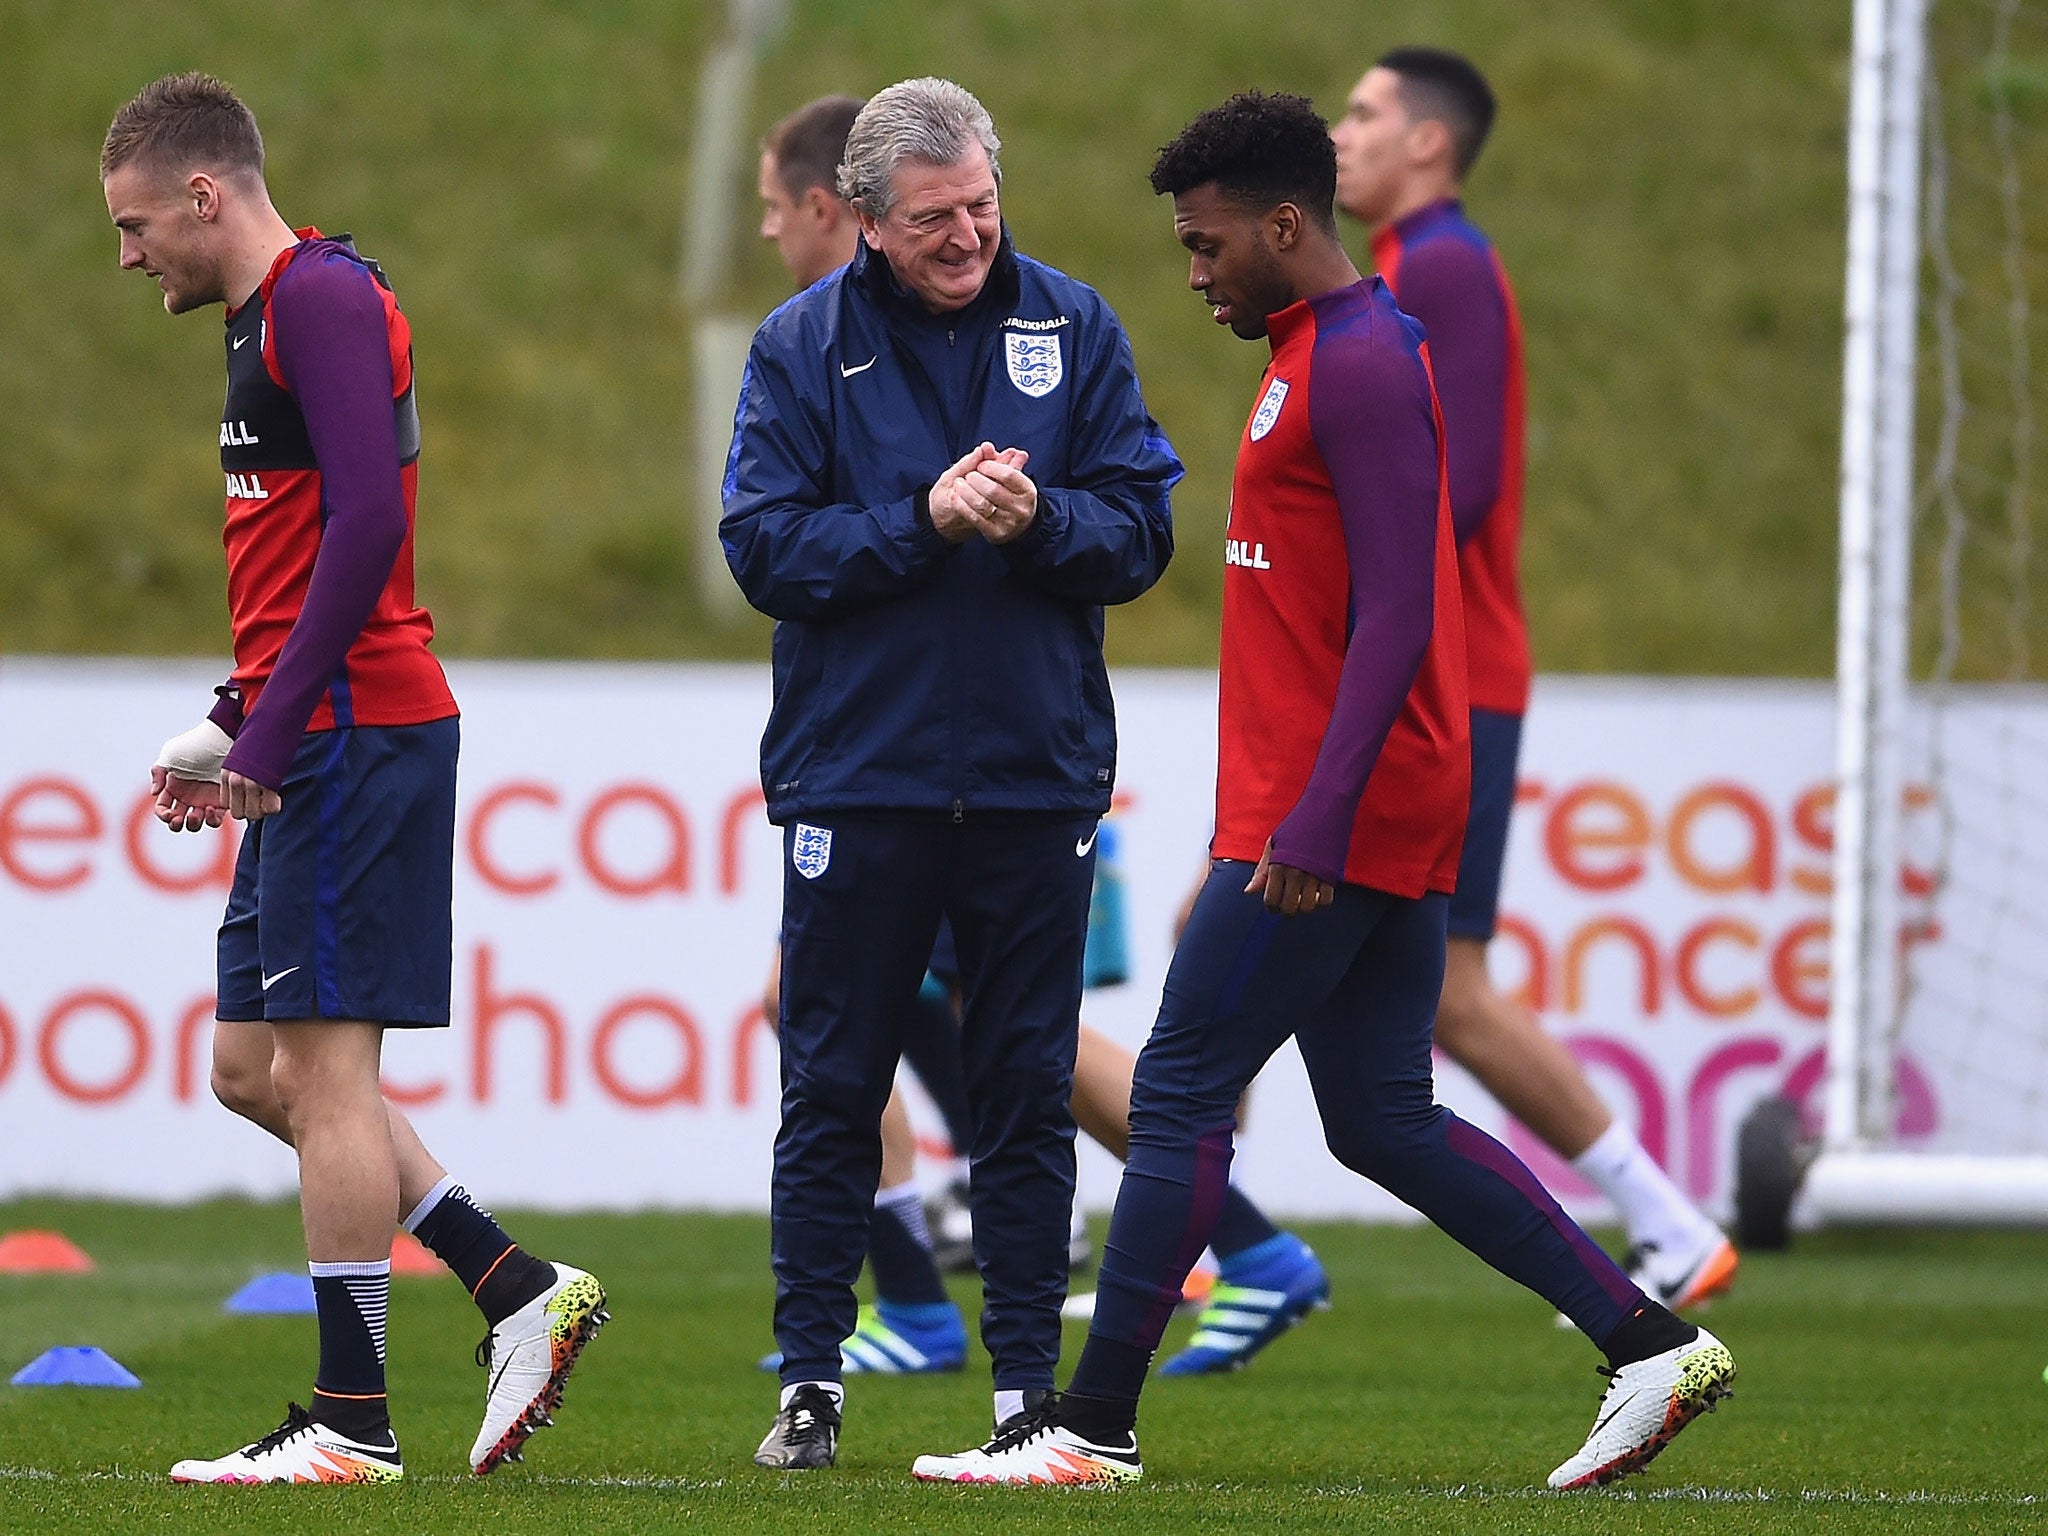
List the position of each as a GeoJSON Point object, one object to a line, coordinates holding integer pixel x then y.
{"type": "Point", "coordinates": [1340, 807]}
{"type": "Point", "coordinates": [335, 743]}
{"type": "Point", "coordinates": [1411, 132]}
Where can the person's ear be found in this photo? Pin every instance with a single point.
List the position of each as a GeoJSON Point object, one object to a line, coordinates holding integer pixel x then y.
{"type": "Point", "coordinates": [204, 192]}
{"type": "Point", "coordinates": [1429, 141]}
{"type": "Point", "coordinates": [1283, 226]}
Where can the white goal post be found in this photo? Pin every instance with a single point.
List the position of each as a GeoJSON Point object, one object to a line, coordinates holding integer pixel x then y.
{"type": "Point", "coordinates": [1890, 729]}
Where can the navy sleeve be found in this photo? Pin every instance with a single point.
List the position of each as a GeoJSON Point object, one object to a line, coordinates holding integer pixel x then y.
{"type": "Point", "coordinates": [227, 709]}
{"type": "Point", "coordinates": [1370, 416]}
{"type": "Point", "coordinates": [1105, 535]}
{"type": "Point", "coordinates": [795, 553]}
{"type": "Point", "coordinates": [1450, 286]}
{"type": "Point", "coordinates": [334, 350]}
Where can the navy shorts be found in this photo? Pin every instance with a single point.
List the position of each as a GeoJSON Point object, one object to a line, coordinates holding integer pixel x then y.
{"type": "Point", "coordinates": [1496, 744]}
{"type": "Point", "coordinates": [342, 901]}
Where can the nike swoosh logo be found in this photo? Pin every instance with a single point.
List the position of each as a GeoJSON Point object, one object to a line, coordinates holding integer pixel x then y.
{"type": "Point", "coordinates": [1081, 848]}
{"type": "Point", "coordinates": [1609, 1417]}
{"type": "Point", "coordinates": [238, 343]}
{"type": "Point", "coordinates": [271, 981]}
{"type": "Point", "coordinates": [847, 373]}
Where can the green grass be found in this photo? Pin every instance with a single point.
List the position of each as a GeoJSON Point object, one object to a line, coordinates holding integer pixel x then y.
{"type": "Point", "coordinates": [1890, 1382]}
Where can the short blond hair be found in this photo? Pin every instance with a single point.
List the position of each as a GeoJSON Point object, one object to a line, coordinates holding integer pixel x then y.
{"type": "Point", "coordinates": [186, 122]}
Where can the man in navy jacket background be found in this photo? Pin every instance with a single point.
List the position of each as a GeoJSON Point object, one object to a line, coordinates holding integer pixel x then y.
{"type": "Point", "coordinates": [941, 471]}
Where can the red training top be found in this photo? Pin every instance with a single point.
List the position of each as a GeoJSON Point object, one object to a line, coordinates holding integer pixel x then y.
{"type": "Point", "coordinates": [319, 440]}
{"type": "Point", "coordinates": [1345, 730]}
{"type": "Point", "coordinates": [1446, 274]}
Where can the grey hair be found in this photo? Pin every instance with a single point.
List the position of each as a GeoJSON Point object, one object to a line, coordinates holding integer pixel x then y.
{"type": "Point", "coordinates": [929, 120]}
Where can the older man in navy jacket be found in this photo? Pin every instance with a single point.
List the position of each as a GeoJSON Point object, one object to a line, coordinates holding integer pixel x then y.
{"type": "Point", "coordinates": [941, 471]}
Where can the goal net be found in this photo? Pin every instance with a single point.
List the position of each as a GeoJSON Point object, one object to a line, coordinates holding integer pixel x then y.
{"type": "Point", "coordinates": [1936, 1099]}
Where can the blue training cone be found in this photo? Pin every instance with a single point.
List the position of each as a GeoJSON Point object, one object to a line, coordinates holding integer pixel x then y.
{"type": "Point", "coordinates": [75, 1365]}
{"type": "Point", "coordinates": [282, 1292]}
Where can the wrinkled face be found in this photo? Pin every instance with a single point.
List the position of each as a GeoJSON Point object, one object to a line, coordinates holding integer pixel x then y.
{"type": "Point", "coordinates": [1231, 262]}
{"type": "Point", "coordinates": [810, 233]}
{"type": "Point", "coordinates": [1372, 139]}
{"type": "Point", "coordinates": [940, 235]}
{"type": "Point", "coordinates": [168, 232]}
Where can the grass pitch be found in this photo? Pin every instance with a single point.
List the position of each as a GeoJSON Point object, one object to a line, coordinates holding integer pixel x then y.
{"type": "Point", "coordinates": [1890, 1382]}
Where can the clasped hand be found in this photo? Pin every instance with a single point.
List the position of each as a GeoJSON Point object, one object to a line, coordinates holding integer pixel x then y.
{"type": "Point", "coordinates": [194, 788]}
{"type": "Point", "coordinates": [985, 493]}
{"type": "Point", "coordinates": [186, 805]}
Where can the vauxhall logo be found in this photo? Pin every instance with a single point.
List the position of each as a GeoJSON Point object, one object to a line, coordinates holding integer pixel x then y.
{"type": "Point", "coordinates": [1247, 554]}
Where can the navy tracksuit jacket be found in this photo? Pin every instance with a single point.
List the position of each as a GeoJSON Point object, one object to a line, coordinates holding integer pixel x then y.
{"type": "Point", "coordinates": [942, 742]}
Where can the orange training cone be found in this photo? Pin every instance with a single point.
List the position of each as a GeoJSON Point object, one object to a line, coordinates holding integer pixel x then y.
{"type": "Point", "coordinates": [409, 1256]}
{"type": "Point", "coordinates": [42, 1253]}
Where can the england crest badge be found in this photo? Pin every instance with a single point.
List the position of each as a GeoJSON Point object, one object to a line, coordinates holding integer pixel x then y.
{"type": "Point", "coordinates": [811, 850]}
{"type": "Point", "coordinates": [1034, 362]}
{"type": "Point", "coordinates": [1269, 409]}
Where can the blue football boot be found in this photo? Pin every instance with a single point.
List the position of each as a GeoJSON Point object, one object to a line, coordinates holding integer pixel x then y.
{"type": "Point", "coordinates": [1259, 1295]}
{"type": "Point", "coordinates": [896, 1339]}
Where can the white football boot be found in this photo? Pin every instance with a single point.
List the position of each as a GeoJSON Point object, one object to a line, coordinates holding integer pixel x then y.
{"type": "Point", "coordinates": [1645, 1407]}
{"type": "Point", "coordinates": [529, 1356]}
{"type": "Point", "coordinates": [298, 1451]}
{"type": "Point", "coordinates": [1034, 1448]}
{"type": "Point", "coordinates": [1689, 1278]}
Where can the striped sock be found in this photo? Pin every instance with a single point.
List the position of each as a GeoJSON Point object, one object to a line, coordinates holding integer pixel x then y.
{"type": "Point", "coordinates": [900, 1249]}
{"type": "Point", "coordinates": [354, 1301]}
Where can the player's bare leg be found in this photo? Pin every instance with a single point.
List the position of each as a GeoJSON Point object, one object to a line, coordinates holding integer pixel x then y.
{"type": "Point", "coordinates": [325, 1089]}
{"type": "Point", "coordinates": [541, 1315]}
{"type": "Point", "coordinates": [1676, 1253]}
{"type": "Point", "coordinates": [1102, 1092]}
{"type": "Point", "coordinates": [242, 1055]}
{"type": "Point", "coordinates": [1531, 1072]}
{"type": "Point", "coordinates": [325, 1074]}
{"type": "Point", "coordinates": [899, 1144]}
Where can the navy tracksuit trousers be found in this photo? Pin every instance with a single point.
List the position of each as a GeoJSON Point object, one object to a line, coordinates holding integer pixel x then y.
{"type": "Point", "coordinates": [1357, 986]}
{"type": "Point", "coordinates": [862, 899]}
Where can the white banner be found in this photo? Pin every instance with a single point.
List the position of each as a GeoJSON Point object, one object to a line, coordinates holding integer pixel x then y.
{"type": "Point", "coordinates": [617, 894]}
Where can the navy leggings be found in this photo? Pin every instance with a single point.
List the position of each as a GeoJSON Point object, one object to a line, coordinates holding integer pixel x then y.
{"type": "Point", "coordinates": [1357, 985]}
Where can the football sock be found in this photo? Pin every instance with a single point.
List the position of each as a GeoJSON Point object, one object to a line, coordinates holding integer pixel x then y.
{"type": "Point", "coordinates": [1105, 1421]}
{"type": "Point", "coordinates": [832, 1389]}
{"type": "Point", "coordinates": [900, 1249]}
{"type": "Point", "coordinates": [348, 1391]}
{"type": "Point", "coordinates": [1009, 1403]}
{"type": "Point", "coordinates": [501, 1276]}
{"type": "Point", "coordinates": [1241, 1225]}
{"type": "Point", "coordinates": [1648, 1330]}
{"type": "Point", "coordinates": [1651, 1207]}
{"type": "Point", "coordinates": [1109, 1371]}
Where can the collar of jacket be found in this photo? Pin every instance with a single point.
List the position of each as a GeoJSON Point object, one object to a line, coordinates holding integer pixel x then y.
{"type": "Point", "coordinates": [873, 274]}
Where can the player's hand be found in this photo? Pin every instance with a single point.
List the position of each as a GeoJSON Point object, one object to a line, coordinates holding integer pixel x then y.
{"type": "Point", "coordinates": [186, 805]}
{"type": "Point", "coordinates": [247, 800]}
{"type": "Point", "coordinates": [197, 753]}
{"type": "Point", "coordinates": [1000, 497]}
{"type": "Point", "coordinates": [949, 516]}
{"type": "Point", "coordinates": [1290, 892]}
